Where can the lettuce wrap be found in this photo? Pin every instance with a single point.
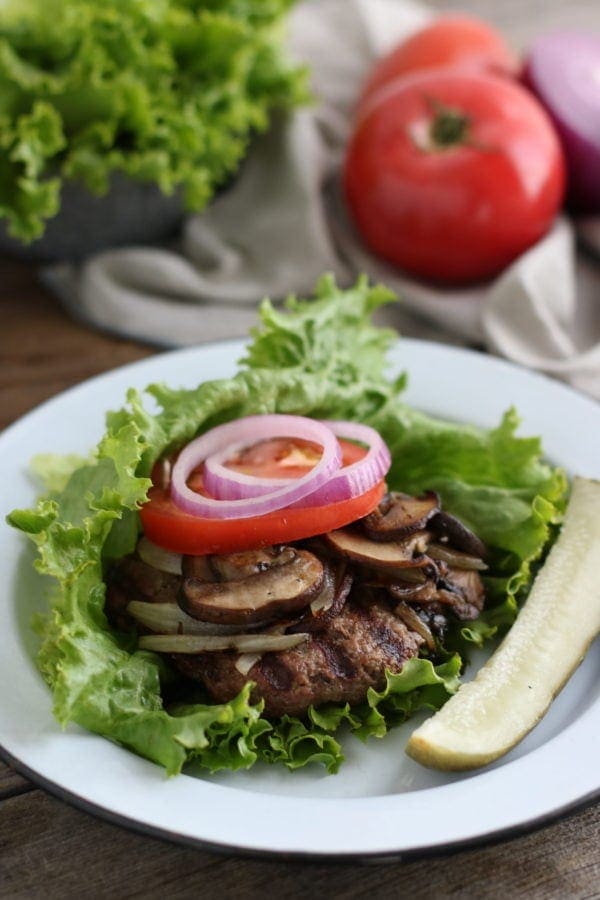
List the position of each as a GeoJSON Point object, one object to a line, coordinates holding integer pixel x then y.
{"type": "Point", "coordinates": [323, 358]}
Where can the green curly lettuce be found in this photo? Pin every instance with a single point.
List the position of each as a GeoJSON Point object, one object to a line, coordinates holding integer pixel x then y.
{"type": "Point", "coordinates": [322, 358]}
{"type": "Point", "coordinates": [165, 91]}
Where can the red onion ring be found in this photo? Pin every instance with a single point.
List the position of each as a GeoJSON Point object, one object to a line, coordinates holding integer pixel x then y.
{"type": "Point", "coordinates": [348, 482]}
{"type": "Point", "coordinates": [248, 431]}
{"type": "Point", "coordinates": [359, 477]}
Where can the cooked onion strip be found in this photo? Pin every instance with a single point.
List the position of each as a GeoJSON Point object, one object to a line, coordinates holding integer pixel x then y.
{"type": "Point", "coordinates": [245, 661]}
{"type": "Point", "coordinates": [326, 597]}
{"type": "Point", "coordinates": [410, 618]}
{"type": "Point", "coordinates": [160, 559]}
{"type": "Point", "coordinates": [455, 557]}
{"type": "Point", "coordinates": [169, 618]}
{"type": "Point", "coordinates": [245, 643]}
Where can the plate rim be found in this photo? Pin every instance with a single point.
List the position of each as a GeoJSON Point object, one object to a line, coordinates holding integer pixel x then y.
{"type": "Point", "coordinates": [440, 848]}
{"type": "Point", "coordinates": [351, 858]}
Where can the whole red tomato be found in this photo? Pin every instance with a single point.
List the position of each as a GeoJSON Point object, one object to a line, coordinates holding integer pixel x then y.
{"type": "Point", "coordinates": [450, 41]}
{"type": "Point", "coordinates": [451, 176]}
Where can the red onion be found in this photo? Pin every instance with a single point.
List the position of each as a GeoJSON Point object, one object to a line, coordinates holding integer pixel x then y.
{"type": "Point", "coordinates": [348, 482]}
{"type": "Point", "coordinates": [248, 431]}
{"type": "Point", "coordinates": [358, 477]}
{"type": "Point", "coordinates": [563, 70]}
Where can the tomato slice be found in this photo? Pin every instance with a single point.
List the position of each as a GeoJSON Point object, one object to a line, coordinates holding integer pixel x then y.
{"type": "Point", "coordinates": [169, 527]}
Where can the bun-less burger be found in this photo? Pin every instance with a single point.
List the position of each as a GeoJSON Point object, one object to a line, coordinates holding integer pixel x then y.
{"type": "Point", "coordinates": [273, 553]}
{"type": "Point", "coordinates": [242, 573]}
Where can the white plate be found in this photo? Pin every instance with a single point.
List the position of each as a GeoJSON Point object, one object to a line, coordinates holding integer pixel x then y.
{"type": "Point", "coordinates": [381, 803]}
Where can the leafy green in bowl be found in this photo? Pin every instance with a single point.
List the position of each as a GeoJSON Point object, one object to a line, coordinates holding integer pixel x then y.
{"type": "Point", "coordinates": [167, 92]}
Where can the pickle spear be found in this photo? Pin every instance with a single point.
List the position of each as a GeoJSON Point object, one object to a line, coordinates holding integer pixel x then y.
{"type": "Point", "coordinates": [513, 690]}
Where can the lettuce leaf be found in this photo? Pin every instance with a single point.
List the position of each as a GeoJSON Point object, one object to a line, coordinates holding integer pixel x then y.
{"type": "Point", "coordinates": [321, 357]}
{"type": "Point", "coordinates": [168, 92]}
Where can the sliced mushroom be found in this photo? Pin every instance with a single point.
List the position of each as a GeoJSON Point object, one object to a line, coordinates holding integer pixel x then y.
{"type": "Point", "coordinates": [455, 558]}
{"type": "Point", "coordinates": [399, 515]}
{"type": "Point", "coordinates": [397, 554]}
{"type": "Point", "coordinates": [379, 578]}
{"type": "Point", "coordinates": [236, 566]}
{"type": "Point", "coordinates": [448, 527]}
{"type": "Point", "coordinates": [432, 615]}
{"type": "Point", "coordinates": [258, 598]}
{"type": "Point", "coordinates": [411, 592]}
{"type": "Point", "coordinates": [463, 592]}
{"type": "Point", "coordinates": [324, 608]}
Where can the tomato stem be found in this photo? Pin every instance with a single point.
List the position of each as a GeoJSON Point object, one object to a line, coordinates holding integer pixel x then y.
{"type": "Point", "coordinates": [449, 127]}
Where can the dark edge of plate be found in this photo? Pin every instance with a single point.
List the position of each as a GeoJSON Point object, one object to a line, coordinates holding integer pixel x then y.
{"type": "Point", "coordinates": [300, 856]}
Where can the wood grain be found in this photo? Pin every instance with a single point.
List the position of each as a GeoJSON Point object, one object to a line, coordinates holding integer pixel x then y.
{"type": "Point", "coordinates": [42, 350]}
{"type": "Point", "coordinates": [46, 841]}
{"type": "Point", "coordinates": [11, 783]}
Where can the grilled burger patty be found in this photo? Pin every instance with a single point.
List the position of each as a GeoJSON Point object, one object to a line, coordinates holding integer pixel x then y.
{"type": "Point", "coordinates": [337, 664]}
{"type": "Point", "coordinates": [388, 602]}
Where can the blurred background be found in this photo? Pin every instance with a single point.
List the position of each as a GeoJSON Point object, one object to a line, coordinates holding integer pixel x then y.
{"type": "Point", "coordinates": [44, 348]}
{"type": "Point", "coordinates": [522, 21]}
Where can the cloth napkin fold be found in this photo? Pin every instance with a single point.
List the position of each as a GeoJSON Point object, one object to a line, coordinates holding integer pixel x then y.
{"type": "Point", "coordinates": [283, 222]}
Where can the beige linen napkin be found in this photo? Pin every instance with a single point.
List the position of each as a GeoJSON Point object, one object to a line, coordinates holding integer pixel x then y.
{"type": "Point", "coordinates": [283, 223]}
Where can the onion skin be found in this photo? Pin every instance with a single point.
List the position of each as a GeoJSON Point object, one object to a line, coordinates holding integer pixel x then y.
{"type": "Point", "coordinates": [563, 71]}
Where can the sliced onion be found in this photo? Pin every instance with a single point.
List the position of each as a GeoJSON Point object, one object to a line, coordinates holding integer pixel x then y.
{"type": "Point", "coordinates": [246, 661]}
{"type": "Point", "coordinates": [455, 557]}
{"type": "Point", "coordinates": [359, 477]}
{"type": "Point", "coordinates": [563, 70]}
{"type": "Point", "coordinates": [413, 621]}
{"type": "Point", "coordinates": [245, 643]}
{"type": "Point", "coordinates": [169, 618]}
{"type": "Point", "coordinates": [158, 558]}
{"type": "Point", "coordinates": [326, 596]}
{"type": "Point", "coordinates": [345, 483]}
{"type": "Point", "coordinates": [241, 432]}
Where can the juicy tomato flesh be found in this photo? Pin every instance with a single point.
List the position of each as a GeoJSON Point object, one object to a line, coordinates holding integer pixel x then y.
{"type": "Point", "coordinates": [277, 458]}
{"type": "Point", "coordinates": [168, 526]}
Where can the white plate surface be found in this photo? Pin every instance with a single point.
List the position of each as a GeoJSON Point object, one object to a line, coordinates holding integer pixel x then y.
{"type": "Point", "coordinates": [381, 803]}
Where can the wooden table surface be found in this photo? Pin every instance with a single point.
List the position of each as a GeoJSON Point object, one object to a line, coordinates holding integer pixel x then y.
{"type": "Point", "coordinates": [50, 849]}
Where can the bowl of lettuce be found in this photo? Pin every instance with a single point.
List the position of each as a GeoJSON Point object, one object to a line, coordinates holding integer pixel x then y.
{"type": "Point", "coordinates": [323, 358]}
{"type": "Point", "coordinates": [116, 117]}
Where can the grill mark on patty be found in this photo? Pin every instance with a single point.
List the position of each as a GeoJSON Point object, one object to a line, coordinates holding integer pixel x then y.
{"type": "Point", "coordinates": [337, 663]}
{"type": "Point", "coordinates": [275, 672]}
{"type": "Point", "coordinates": [389, 641]}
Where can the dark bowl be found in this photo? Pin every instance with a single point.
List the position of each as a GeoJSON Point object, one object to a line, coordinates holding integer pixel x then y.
{"type": "Point", "coordinates": [132, 212]}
